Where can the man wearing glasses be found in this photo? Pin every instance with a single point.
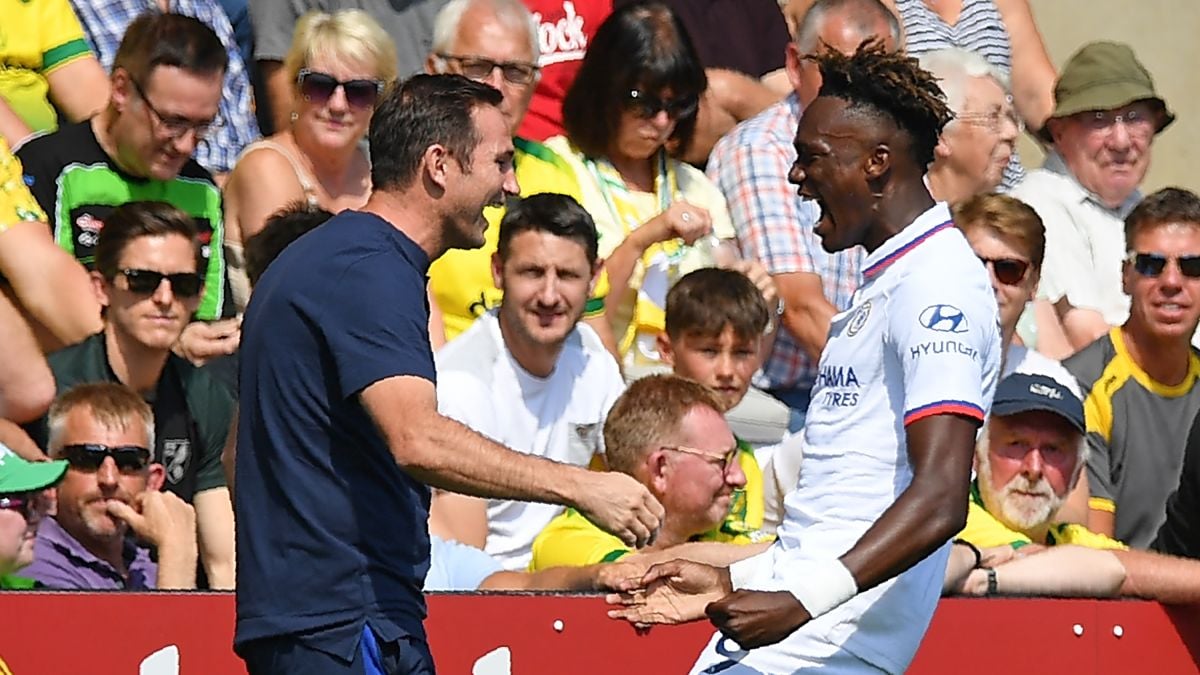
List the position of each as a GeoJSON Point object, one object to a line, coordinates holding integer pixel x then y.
{"type": "Point", "coordinates": [146, 279]}
{"type": "Point", "coordinates": [494, 42]}
{"type": "Point", "coordinates": [110, 491]}
{"type": "Point", "coordinates": [166, 86]}
{"type": "Point", "coordinates": [1140, 379]}
{"type": "Point", "coordinates": [670, 434]}
{"type": "Point", "coordinates": [1106, 116]}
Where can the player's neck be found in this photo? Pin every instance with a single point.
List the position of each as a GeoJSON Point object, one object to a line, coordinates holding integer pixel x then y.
{"type": "Point", "coordinates": [535, 358]}
{"type": "Point", "coordinates": [412, 212]}
{"type": "Point", "coordinates": [900, 205]}
{"type": "Point", "coordinates": [135, 365]}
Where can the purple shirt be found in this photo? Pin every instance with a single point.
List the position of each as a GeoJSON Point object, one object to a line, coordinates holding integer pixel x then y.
{"type": "Point", "coordinates": [60, 561]}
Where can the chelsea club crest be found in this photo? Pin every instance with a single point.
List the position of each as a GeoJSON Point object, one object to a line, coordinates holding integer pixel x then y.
{"type": "Point", "coordinates": [859, 319]}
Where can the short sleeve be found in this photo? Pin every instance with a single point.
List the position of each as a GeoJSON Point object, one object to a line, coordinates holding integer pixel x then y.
{"type": "Point", "coordinates": [454, 566]}
{"type": "Point", "coordinates": [944, 336]}
{"type": "Point", "coordinates": [218, 413]}
{"type": "Point", "coordinates": [16, 202]}
{"type": "Point", "coordinates": [374, 333]}
{"type": "Point", "coordinates": [62, 36]}
{"type": "Point", "coordinates": [273, 22]}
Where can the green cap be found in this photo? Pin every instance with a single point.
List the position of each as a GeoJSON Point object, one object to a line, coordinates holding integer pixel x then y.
{"type": "Point", "coordinates": [1105, 76]}
{"type": "Point", "coordinates": [21, 475]}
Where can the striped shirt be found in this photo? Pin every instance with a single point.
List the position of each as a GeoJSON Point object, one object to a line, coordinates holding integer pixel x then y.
{"type": "Point", "coordinates": [774, 226]}
{"type": "Point", "coordinates": [980, 29]}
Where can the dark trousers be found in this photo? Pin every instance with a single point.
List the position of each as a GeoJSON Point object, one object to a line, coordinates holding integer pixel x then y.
{"type": "Point", "coordinates": [287, 655]}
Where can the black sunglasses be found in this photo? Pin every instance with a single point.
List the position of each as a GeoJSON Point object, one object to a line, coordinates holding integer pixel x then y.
{"type": "Point", "coordinates": [89, 456]}
{"type": "Point", "coordinates": [319, 87]}
{"type": "Point", "coordinates": [1153, 264]}
{"type": "Point", "coordinates": [646, 105]}
{"type": "Point", "coordinates": [1008, 271]}
{"type": "Point", "coordinates": [24, 503]}
{"type": "Point", "coordinates": [183, 284]}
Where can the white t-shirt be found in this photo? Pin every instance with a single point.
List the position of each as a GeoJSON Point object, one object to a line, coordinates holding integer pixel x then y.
{"type": "Point", "coordinates": [1021, 359]}
{"type": "Point", "coordinates": [559, 417]}
{"type": "Point", "coordinates": [920, 338]}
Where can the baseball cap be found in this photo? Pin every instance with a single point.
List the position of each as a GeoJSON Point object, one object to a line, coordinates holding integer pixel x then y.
{"type": "Point", "coordinates": [1104, 76]}
{"type": "Point", "coordinates": [1021, 392]}
{"type": "Point", "coordinates": [20, 475]}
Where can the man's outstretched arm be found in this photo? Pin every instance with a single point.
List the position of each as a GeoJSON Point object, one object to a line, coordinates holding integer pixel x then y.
{"type": "Point", "coordinates": [445, 454]}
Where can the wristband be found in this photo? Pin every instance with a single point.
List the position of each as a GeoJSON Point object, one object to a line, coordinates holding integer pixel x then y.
{"type": "Point", "coordinates": [993, 586]}
{"type": "Point", "coordinates": [978, 554]}
{"type": "Point", "coordinates": [823, 585]}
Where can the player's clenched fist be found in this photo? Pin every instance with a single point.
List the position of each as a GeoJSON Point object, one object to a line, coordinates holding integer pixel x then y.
{"type": "Point", "coordinates": [618, 504]}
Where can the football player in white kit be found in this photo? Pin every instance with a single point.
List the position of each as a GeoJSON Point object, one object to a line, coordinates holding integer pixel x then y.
{"type": "Point", "coordinates": [905, 380]}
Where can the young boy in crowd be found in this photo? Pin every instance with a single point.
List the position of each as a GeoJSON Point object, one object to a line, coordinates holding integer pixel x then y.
{"type": "Point", "coordinates": [717, 324]}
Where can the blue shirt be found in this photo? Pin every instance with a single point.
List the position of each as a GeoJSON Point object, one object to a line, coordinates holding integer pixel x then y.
{"type": "Point", "coordinates": [454, 566]}
{"type": "Point", "coordinates": [331, 533]}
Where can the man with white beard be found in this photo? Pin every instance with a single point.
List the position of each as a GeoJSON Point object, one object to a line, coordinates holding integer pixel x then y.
{"type": "Point", "coordinates": [1028, 458]}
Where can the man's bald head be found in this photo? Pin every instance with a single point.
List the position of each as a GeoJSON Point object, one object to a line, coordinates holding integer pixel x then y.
{"type": "Point", "coordinates": [841, 25]}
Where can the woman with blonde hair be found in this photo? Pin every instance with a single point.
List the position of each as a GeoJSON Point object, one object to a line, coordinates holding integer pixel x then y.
{"type": "Point", "coordinates": [341, 64]}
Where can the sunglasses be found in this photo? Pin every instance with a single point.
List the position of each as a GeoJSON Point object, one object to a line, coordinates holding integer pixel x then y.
{"type": "Point", "coordinates": [25, 503]}
{"type": "Point", "coordinates": [1008, 271]}
{"type": "Point", "coordinates": [90, 456]}
{"type": "Point", "coordinates": [724, 461]}
{"type": "Point", "coordinates": [319, 88]}
{"type": "Point", "coordinates": [1153, 264]}
{"type": "Point", "coordinates": [145, 282]}
{"type": "Point", "coordinates": [479, 68]}
{"type": "Point", "coordinates": [646, 105]}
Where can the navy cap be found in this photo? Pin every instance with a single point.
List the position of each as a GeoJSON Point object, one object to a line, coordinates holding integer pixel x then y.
{"type": "Point", "coordinates": [1021, 392]}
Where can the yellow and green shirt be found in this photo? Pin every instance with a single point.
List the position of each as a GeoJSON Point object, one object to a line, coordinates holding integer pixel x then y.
{"type": "Point", "coordinates": [983, 530]}
{"type": "Point", "coordinates": [572, 540]}
{"type": "Point", "coordinates": [16, 201]}
{"type": "Point", "coordinates": [461, 280]}
{"type": "Point", "coordinates": [36, 37]}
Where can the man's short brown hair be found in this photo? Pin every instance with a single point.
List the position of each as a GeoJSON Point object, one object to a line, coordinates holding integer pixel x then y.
{"type": "Point", "coordinates": [1010, 219]}
{"type": "Point", "coordinates": [707, 300]}
{"type": "Point", "coordinates": [114, 406]}
{"type": "Point", "coordinates": [1169, 205]}
{"type": "Point", "coordinates": [650, 413]}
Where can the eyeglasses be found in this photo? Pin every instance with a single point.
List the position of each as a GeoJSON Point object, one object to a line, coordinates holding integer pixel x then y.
{"type": "Point", "coordinates": [146, 282]}
{"type": "Point", "coordinates": [1008, 271]}
{"type": "Point", "coordinates": [1138, 121]}
{"type": "Point", "coordinates": [646, 105]}
{"type": "Point", "coordinates": [724, 461]}
{"type": "Point", "coordinates": [28, 504]}
{"type": "Point", "coordinates": [90, 456]}
{"type": "Point", "coordinates": [319, 87]}
{"type": "Point", "coordinates": [175, 126]}
{"type": "Point", "coordinates": [479, 68]}
{"type": "Point", "coordinates": [993, 120]}
{"type": "Point", "coordinates": [1153, 264]}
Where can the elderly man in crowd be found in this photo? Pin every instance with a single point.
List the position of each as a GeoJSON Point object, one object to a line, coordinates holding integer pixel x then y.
{"type": "Point", "coordinates": [774, 225]}
{"type": "Point", "coordinates": [976, 145]}
{"type": "Point", "coordinates": [1106, 116]}
{"type": "Point", "coordinates": [1028, 458]}
{"type": "Point", "coordinates": [23, 505]}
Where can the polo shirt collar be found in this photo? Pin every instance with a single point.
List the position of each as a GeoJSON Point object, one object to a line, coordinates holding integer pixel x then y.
{"type": "Point", "coordinates": [1054, 164]}
{"type": "Point", "coordinates": [137, 559]}
{"type": "Point", "coordinates": [936, 219]}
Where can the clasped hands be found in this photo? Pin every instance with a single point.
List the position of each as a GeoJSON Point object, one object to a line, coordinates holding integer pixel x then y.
{"type": "Point", "coordinates": [680, 591]}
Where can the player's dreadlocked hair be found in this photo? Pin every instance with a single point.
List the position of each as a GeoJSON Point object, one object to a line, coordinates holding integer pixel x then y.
{"type": "Point", "coordinates": [888, 83]}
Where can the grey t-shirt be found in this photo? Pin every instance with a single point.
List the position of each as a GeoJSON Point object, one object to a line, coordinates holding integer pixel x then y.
{"type": "Point", "coordinates": [408, 22]}
{"type": "Point", "coordinates": [1137, 428]}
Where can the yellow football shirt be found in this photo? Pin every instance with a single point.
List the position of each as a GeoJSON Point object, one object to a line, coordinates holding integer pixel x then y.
{"type": "Point", "coordinates": [461, 280]}
{"type": "Point", "coordinates": [572, 540]}
{"type": "Point", "coordinates": [16, 202]}
{"type": "Point", "coordinates": [36, 37]}
{"type": "Point", "coordinates": [983, 530]}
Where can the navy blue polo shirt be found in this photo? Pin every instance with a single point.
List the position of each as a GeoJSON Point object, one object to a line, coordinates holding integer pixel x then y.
{"type": "Point", "coordinates": [331, 533]}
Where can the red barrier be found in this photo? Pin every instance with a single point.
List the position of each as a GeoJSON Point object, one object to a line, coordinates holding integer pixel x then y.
{"type": "Point", "coordinates": [531, 634]}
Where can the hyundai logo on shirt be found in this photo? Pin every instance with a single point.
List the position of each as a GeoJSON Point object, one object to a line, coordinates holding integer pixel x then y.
{"type": "Point", "coordinates": [944, 319]}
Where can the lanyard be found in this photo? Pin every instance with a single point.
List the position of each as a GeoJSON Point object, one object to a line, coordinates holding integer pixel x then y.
{"type": "Point", "coordinates": [617, 195]}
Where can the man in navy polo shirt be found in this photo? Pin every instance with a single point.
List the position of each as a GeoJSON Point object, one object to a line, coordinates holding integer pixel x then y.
{"type": "Point", "coordinates": [339, 430]}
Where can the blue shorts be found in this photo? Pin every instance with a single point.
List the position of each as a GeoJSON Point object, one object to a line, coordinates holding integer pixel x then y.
{"type": "Point", "coordinates": [289, 655]}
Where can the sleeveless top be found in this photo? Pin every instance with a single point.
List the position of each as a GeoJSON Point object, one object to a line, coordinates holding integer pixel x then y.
{"type": "Point", "coordinates": [980, 29]}
{"type": "Point", "coordinates": [235, 257]}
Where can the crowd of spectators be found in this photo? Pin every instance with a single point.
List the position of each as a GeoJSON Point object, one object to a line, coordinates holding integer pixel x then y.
{"type": "Point", "coordinates": [652, 299]}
